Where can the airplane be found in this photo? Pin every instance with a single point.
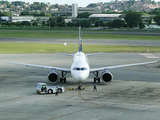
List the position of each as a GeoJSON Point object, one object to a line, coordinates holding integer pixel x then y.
{"type": "Point", "coordinates": [80, 68]}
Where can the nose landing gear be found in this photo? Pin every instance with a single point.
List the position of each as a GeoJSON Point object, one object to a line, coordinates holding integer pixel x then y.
{"type": "Point", "coordinates": [80, 87]}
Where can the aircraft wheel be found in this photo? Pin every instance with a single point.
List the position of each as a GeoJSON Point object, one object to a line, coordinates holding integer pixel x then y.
{"type": "Point", "coordinates": [50, 91]}
{"type": "Point", "coordinates": [94, 80]}
{"type": "Point", "coordinates": [60, 90]}
{"type": "Point", "coordinates": [80, 87]}
{"type": "Point", "coordinates": [98, 79]}
{"type": "Point", "coordinates": [63, 79]}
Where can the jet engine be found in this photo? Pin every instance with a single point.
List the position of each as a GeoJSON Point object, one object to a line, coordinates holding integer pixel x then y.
{"type": "Point", "coordinates": [53, 77]}
{"type": "Point", "coordinates": [106, 76]}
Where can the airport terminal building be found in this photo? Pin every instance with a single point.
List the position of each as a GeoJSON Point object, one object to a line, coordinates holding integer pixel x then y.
{"type": "Point", "coordinates": [24, 18]}
{"type": "Point", "coordinates": [107, 17]}
{"type": "Point", "coordinates": [104, 17]}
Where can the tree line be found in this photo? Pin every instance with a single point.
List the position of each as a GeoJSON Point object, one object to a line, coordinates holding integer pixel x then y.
{"type": "Point", "coordinates": [131, 20]}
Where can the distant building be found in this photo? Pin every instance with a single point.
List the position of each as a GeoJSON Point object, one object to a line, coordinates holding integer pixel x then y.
{"type": "Point", "coordinates": [21, 18]}
{"type": "Point", "coordinates": [76, 20]}
{"type": "Point", "coordinates": [64, 12]}
{"type": "Point", "coordinates": [74, 10]}
{"type": "Point", "coordinates": [107, 17]}
{"type": "Point", "coordinates": [68, 20]}
{"type": "Point", "coordinates": [6, 18]}
{"type": "Point", "coordinates": [154, 26]}
{"type": "Point", "coordinates": [41, 18]}
{"type": "Point", "coordinates": [146, 18]}
{"type": "Point", "coordinates": [54, 9]}
{"type": "Point", "coordinates": [24, 18]}
{"type": "Point", "coordinates": [1, 6]}
{"type": "Point", "coordinates": [89, 10]}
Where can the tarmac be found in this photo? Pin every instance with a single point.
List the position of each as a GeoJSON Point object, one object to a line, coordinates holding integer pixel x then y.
{"type": "Point", "coordinates": [84, 41]}
{"type": "Point", "coordinates": [133, 94]}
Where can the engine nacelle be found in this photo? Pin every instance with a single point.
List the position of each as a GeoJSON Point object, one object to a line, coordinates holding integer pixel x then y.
{"type": "Point", "coordinates": [53, 77]}
{"type": "Point", "coordinates": [106, 76]}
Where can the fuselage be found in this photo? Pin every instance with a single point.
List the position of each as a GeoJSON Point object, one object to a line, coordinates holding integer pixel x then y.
{"type": "Point", "coordinates": [80, 68]}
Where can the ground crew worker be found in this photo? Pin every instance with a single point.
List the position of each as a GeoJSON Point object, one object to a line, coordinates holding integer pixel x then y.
{"type": "Point", "coordinates": [43, 88]}
{"type": "Point", "coordinates": [56, 91]}
{"type": "Point", "coordinates": [94, 87]}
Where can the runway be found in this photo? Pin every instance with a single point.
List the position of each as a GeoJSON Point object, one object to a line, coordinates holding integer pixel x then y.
{"type": "Point", "coordinates": [133, 94]}
{"type": "Point", "coordinates": [122, 32]}
{"type": "Point", "coordinates": [85, 41]}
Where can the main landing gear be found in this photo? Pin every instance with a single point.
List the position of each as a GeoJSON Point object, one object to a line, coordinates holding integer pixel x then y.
{"type": "Point", "coordinates": [63, 79]}
{"type": "Point", "coordinates": [96, 78]}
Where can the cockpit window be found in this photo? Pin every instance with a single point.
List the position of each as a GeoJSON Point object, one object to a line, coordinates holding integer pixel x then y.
{"type": "Point", "coordinates": [80, 69]}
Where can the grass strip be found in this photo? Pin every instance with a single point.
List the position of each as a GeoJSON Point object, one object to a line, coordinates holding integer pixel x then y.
{"type": "Point", "coordinates": [49, 34]}
{"type": "Point", "coordinates": [10, 48]}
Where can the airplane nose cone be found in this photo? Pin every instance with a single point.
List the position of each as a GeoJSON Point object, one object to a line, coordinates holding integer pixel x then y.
{"type": "Point", "coordinates": [81, 76]}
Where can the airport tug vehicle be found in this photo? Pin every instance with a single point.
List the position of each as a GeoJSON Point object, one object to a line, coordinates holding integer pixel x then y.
{"type": "Point", "coordinates": [42, 88]}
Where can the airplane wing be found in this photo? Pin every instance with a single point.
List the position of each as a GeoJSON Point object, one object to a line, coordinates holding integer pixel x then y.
{"type": "Point", "coordinates": [39, 66]}
{"type": "Point", "coordinates": [119, 66]}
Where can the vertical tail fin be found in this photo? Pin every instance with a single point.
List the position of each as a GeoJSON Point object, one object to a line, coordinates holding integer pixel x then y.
{"type": "Point", "coordinates": [80, 41]}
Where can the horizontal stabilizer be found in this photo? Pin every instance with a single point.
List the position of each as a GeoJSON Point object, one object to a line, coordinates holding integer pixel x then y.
{"type": "Point", "coordinates": [65, 54]}
{"type": "Point", "coordinates": [93, 54]}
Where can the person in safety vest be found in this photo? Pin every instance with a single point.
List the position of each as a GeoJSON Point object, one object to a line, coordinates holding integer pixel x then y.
{"type": "Point", "coordinates": [94, 87]}
{"type": "Point", "coordinates": [43, 88]}
{"type": "Point", "coordinates": [56, 91]}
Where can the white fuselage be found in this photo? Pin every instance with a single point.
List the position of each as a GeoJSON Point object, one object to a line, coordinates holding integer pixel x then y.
{"type": "Point", "coordinates": [80, 69]}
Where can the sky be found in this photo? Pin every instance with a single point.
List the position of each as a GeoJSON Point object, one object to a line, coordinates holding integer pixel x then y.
{"type": "Point", "coordinates": [81, 3]}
